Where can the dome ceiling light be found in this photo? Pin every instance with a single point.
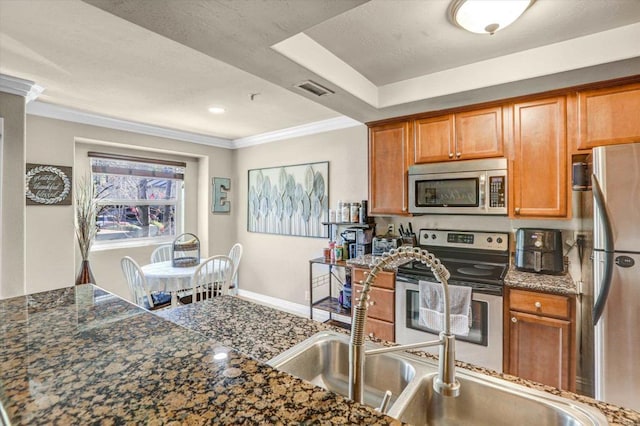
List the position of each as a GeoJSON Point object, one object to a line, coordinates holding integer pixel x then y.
{"type": "Point", "coordinates": [487, 16]}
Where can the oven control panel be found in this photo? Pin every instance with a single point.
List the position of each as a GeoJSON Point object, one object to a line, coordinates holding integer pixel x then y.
{"type": "Point", "coordinates": [498, 241]}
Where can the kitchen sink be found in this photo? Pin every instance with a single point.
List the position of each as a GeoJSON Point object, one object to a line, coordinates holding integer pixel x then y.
{"type": "Point", "coordinates": [487, 401]}
{"type": "Point", "coordinates": [323, 359]}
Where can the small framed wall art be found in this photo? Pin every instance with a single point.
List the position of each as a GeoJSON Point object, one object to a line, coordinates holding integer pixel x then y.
{"type": "Point", "coordinates": [48, 185]}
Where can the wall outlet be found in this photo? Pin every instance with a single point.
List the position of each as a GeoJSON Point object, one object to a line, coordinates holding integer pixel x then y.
{"type": "Point", "coordinates": [306, 296]}
{"type": "Point", "coordinates": [390, 228]}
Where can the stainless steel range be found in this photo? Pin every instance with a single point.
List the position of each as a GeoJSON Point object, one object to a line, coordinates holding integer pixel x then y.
{"type": "Point", "coordinates": [479, 260]}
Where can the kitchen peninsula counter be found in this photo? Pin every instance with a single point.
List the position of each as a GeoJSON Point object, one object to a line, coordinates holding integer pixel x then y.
{"type": "Point", "coordinates": [81, 355]}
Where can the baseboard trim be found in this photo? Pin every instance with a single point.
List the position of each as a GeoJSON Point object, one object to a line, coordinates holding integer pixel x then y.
{"type": "Point", "coordinates": [291, 307]}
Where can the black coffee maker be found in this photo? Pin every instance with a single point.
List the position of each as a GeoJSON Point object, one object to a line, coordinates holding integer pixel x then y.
{"type": "Point", "coordinates": [539, 250]}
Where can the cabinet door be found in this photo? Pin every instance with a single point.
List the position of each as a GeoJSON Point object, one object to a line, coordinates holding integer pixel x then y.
{"type": "Point", "coordinates": [539, 178]}
{"type": "Point", "coordinates": [380, 329]}
{"type": "Point", "coordinates": [609, 116]}
{"type": "Point", "coordinates": [434, 139]}
{"type": "Point", "coordinates": [388, 167]}
{"type": "Point", "coordinates": [381, 303]}
{"type": "Point", "coordinates": [540, 349]}
{"type": "Point", "coordinates": [479, 134]}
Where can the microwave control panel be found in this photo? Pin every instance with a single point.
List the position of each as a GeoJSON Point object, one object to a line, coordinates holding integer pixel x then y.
{"type": "Point", "coordinates": [497, 191]}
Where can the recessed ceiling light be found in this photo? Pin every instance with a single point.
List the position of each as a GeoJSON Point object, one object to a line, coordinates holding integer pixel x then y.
{"type": "Point", "coordinates": [216, 110]}
{"type": "Point", "coordinates": [487, 16]}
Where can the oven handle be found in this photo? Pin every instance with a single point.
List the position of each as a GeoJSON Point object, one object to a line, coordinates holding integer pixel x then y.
{"type": "Point", "coordinates": [493, 290]}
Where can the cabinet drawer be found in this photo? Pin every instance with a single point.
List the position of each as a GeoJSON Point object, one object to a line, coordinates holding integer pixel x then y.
{"type": "Point", "coordinates": [380, 329]}
{"type": "Point", "coordinates": [383, 280]}
{"type": "Point", "coordinates": [381, 303]}
{"type": "Point", "coordinates": [539, 303]}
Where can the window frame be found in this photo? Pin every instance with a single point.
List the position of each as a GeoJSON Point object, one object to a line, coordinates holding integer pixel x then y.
{"type": "Point", "coordinates": [178, 203]}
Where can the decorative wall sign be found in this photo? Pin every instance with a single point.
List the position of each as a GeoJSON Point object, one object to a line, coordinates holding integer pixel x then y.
{"type": "Point", "coordinates": [219, 202]}
{"type": "Point", "coordinates": [48, 185]}
{"type": "Point", "coordinates": [289, 200]}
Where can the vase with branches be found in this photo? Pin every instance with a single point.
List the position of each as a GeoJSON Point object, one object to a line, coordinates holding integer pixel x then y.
{"type": "Point", "coordinates": [87, 210]}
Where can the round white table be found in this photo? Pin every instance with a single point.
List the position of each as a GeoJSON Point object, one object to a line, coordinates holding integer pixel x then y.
{"type": "Point", "coordinates": [163, 276]}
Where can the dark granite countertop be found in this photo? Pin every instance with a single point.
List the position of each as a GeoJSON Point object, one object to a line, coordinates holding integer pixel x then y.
{"type": "Point", "coordinates": [81, 355]}
{"type": "Point", "coordinates": [556, 284]}
{"type": "Point", "coordinates": [366, 260]}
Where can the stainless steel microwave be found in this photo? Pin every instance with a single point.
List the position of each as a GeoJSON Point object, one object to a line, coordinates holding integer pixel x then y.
{"type": "Point", "coordinates": [477, 187]}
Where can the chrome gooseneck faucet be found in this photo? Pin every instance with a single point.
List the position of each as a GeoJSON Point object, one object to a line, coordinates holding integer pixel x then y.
{"type": "Point", "coordinates": [446, 383]}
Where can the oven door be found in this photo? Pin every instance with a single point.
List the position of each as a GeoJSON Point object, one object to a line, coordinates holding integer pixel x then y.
{"type": "Point", "coordinates": [483, 345]}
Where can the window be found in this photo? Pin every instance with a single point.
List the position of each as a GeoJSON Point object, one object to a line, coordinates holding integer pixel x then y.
{"type": "Point", "coordinates": [140, 199]}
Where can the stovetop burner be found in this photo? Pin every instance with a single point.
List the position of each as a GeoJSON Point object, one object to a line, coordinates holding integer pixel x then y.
{"type": "Point", "coordinates": [475, 271]}
{"type": "Point", "coordinates": [460, 270]}
{"type": "Point", "coordinates": [477, 259]}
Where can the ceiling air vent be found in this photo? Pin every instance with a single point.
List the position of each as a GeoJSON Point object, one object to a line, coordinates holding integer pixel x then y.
{"type": "Point", "coordinates": [314, 88]}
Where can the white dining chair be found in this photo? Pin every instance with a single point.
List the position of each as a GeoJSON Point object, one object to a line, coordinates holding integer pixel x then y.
{"type": "Point", "coordinates": [138, 287]}
{"type": "Point", "coordinates": [161, 253]}
{"type": "Point", "coordinates": [211, 279]}
{"type": "Point", "coordinates": [235, 254]}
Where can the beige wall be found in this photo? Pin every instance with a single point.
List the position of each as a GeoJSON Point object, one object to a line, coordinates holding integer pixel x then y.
{"type": "Point", "coordinates": [52, 255]}
{"type": "Point", "coordinates": [278, 265]}
{"type": "Point", "coordinates": [12, 247]}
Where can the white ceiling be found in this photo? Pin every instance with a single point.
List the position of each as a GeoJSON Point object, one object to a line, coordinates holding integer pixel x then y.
{"type": "Point", "coordinates": [164, 63]}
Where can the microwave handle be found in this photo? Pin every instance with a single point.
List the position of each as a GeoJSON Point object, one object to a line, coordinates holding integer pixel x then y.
{"type": "Point", "coordinates": [482, 191]}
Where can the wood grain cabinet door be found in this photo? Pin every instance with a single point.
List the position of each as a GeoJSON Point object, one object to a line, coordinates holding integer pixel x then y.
{"type": "Point", "coordinates": [388, 168]}
{"type": "Point", "coordinates": [539, 178]}
{"type": "Point", "coordinates": [540, 349]}
{"type": "Point", "coordinates": [434, 139]}
{"type": "Point", "coordinates": [479, 134]}
{"type": "Point", "coordinates": [609, 116]}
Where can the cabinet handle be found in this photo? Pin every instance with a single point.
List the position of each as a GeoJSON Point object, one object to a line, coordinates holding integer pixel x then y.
{"type": "Point", "coordinates": [458, 154]}
{"type": "Point", "coordinates": [517, 210]}
{"type": "Point", "coordinates": [538, 305]}
{"type": "Point", "coordinates": [373, 302]}
{"type": "Point", "coordinates": [514, 319]}
{"type": "Point", "coordinates": [451, 155]}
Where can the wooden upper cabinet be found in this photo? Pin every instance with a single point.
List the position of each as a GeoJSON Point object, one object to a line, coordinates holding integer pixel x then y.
{"type": "Point", "coordinates": [479, 134]}
{"type": "Point", "coordinates": [388, 167]}
{"type": "Point", "coordinates": [460, 136]}
{"type": "Point", "coordinates": [539, 173]}
{"type": "Point", "coordinates": [609, 116]}
{"type": "Point", "coordinates": [434, 139]}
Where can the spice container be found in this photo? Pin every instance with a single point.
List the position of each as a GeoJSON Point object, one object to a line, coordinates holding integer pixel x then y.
{"type": "Point", "coordinates": [354, 213]}
{"type": "Point", "coordinates": [345, 214]}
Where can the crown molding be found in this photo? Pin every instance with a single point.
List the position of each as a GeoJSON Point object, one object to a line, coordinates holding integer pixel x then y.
{"type": "Point", "coordinates": [43, 109]}
{"type": "Point", "coordinates": [21, 87]}
{"type": "Point", "coordinates": [57, 112]}
{"type": "Point", "coordinates": [330, 124]}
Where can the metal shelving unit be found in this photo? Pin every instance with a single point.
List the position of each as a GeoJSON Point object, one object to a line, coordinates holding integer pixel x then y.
{"type": "Point", "coordinates": [330, 304]}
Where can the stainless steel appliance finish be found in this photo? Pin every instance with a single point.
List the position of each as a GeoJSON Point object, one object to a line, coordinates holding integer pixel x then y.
{"type": "Point", "coordinates": [477, 187]}
{"type": "Point", "coordinates": [616, 272]}
{"type": "Point", "coordinates": [539, 250]}
{"type": "Point", "coordinates": [479, 260]}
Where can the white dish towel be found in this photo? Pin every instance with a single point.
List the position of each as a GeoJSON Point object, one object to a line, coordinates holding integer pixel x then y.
{"type": "Point", "coordinates": [432, 307]}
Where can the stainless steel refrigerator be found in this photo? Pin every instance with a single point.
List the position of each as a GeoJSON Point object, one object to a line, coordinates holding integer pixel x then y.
{"type": "Point", "coordinates": [616, 274]}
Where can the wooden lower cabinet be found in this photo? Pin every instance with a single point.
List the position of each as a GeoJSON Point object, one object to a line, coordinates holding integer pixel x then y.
{"type": "Point", "coordinates": [539, 337]}
{"type": "Point", "coordinates": [381, 312]}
